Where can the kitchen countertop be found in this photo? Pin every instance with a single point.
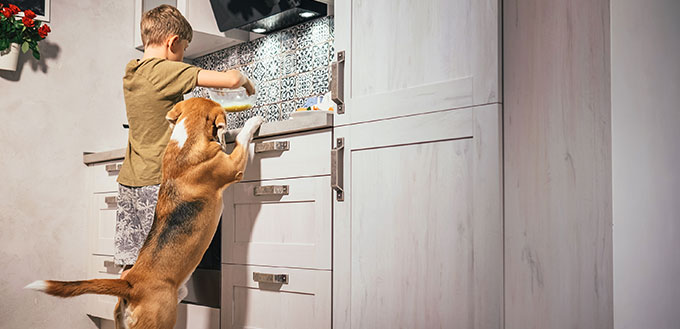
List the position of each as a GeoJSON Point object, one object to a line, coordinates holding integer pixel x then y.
{"type": "Point", "coordinates": [301, 122]}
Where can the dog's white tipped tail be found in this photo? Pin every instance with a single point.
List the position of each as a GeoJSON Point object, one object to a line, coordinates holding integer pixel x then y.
{"type": "Point", "coordinates": [39, 285]}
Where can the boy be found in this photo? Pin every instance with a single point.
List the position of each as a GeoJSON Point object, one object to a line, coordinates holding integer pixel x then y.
{"type": "Point", "coordinates": [152, 86]}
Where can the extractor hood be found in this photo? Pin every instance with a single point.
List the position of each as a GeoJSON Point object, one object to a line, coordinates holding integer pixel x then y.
{"type": "Point", "coordinates": [265, 16]}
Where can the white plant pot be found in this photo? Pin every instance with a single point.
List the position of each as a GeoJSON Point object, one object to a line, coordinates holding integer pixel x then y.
{"type": "Point", "coordinates": [9, 58]}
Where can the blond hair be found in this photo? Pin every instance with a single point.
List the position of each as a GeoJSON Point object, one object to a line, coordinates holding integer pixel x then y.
{"type": "Point", "coordinates": [161, 22]}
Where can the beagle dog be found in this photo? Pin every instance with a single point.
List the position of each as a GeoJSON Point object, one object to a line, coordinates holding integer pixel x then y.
{"type": "Point", "coordinates": [195, 172]}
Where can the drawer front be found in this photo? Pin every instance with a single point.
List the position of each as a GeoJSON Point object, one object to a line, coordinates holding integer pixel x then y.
{"type": "Point", "coordinates": [307, 154]}
{"type": "Point", "coordinates": [278, 223]}
{"type": "Point", "coordinates": [102, 223]}
{"type": "Point", "coordinates": [304, 302]}
{"type": "Point", "coordinates": [102, 267]}
{"type": "Point", "coordinates": [104, 177]}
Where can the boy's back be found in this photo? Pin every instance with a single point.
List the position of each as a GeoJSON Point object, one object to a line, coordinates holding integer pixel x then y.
{"type": "Point", "coordinates": [151, 88]}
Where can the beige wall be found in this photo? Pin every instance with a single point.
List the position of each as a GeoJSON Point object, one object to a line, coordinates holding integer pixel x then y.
{"type": "Point", "coordinates": [51, 111]}
{"type": "Point", "coordinates": [645, 41]}
{"type": "Point", "coordinates": [557, 164]}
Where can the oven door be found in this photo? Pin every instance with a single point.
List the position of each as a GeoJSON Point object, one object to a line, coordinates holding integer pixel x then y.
{"type": "Point", "coordinates": [204, 284]}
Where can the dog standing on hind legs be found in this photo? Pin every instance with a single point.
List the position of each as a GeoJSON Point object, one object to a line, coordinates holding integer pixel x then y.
{"type": "Point", "coordinates": [195, 172]}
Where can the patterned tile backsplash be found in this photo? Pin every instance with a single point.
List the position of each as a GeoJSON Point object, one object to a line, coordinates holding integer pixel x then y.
{"type": "Point", "coordinates": [287, 67]}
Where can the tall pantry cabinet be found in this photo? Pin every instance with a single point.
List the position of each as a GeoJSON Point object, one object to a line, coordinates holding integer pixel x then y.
{"type": "Point", "coordinates": [417, 165]}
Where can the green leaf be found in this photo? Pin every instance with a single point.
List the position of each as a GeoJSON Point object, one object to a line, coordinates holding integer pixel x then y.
{"type": "Point", "coordinates": [24, 47]}
{"type": "Point", "coordinates": [36, 54]}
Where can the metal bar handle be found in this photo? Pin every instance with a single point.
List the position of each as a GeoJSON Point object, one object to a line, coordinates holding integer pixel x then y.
{"type": "Point", "coordinates": [337, 178]}
{"type": "Point", "coordinates": [113, 167]}
{"type": "Point", "coordinates": [338, 82]}
{"type": "Point", "coordinates": [270, 190]}
{"type": "Point", "coordinates": [278, 146]}
{"type": "Point", "coordinates": [110, 263]}
{"type": "Point", "coordinates": [111, 200]}
{"type": "Point", "coordinates": [270, 278]}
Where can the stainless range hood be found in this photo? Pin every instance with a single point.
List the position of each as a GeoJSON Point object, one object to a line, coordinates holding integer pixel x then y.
{"type": "Point", "coordinates": [265, 16]}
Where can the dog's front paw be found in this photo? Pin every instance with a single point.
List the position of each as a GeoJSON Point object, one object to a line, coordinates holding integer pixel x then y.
{"type": "Point", "coordinates": [246, 135]}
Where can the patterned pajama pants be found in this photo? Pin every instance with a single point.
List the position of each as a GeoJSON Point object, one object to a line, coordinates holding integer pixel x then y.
{"type": "Point", "coordinates": [134, 217]}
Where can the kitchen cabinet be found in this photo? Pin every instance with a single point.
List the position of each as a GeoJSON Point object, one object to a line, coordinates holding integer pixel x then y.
{"type": "Point", "coordinates": [103, 169]}
{"type": "Point", "coordinates": [417, 222]}
{"type": "Point", "coordinates": [103, 190]}
{"type": "Point", "coordinates": [276, 229]}
{"type": "Point", "coordinates": [207, 37]}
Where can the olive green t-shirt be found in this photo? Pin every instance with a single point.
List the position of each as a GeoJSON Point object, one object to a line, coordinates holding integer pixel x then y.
{"type": "Point", "coordinates": [151, 88]}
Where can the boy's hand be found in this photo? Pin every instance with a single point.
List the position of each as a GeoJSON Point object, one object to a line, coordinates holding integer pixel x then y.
{"type": "Point", "coordinates": [249, 86]}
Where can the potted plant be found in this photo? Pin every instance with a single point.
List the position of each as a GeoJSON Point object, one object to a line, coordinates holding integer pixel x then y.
{"type": "Point", "coordinates": [17, 33]}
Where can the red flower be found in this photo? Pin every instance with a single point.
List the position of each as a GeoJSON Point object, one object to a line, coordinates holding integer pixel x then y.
{"type": "Point", "coordinates": [7, 12]}
{"type": "Point", "coordinates": [29, 13]}
{"type": "Point", "coordinates": [28, 22]}
{"type": "Point", "coordinates": [43, 30]}
{"type": "Point", "coordinates": [14, 9]}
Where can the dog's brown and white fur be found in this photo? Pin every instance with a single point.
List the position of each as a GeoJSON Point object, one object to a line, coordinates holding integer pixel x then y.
{"type": "Point", "coordinates": [195, 172]}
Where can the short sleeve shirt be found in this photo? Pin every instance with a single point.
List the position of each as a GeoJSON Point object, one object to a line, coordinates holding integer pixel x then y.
{"type": "Point", "coordinates": [151, 88]}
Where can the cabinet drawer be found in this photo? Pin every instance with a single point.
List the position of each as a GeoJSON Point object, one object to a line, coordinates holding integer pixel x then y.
{"type": "Point", "coordinates": [102, 267]}
{"type": "Point", "coordinates": [277, 229]}
{"type": "Point", "coordinates": [304, 302]}
{"type": "Point", "coordinates": [102, 223]}
{"type": "Point", "coordinates": [103, 177]}
{"type": "Point", "coordinates": [307, 154]}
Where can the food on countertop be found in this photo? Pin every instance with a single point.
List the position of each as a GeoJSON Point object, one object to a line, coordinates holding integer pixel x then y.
{"type": "Point", "coordinates": [320, 103]}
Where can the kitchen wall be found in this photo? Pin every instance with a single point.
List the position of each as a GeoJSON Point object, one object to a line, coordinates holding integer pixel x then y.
{"type": "Point", "coordinates": [52, 110]}
{"type": "Point", "coordinates": [287, 67]}
{"type": "Point", "coordinates": [557, 164]}
{"type": "Point", "coordinates": [645, 43]}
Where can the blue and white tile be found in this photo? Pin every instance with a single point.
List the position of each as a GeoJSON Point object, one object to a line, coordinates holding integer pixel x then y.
{"type": "Point", "coordinates": [305, 60]}
{"type": "Point", "coordinates": [270, 112]}
{"type": "Point", "coordinates": [289, 39]}
{"type": "Point", "coordinates": [320, 55]}
{"type": "Point", "coordinates": [321, 78]}
{"type": "Point", "coordinates": [289, 64]}
{"type": "Point", "coordinates": [288, 86]}
{"type": "Point", "coordinates": [268, 92]}
{"type": "Point", "coordinates": [304, 86]}
{"type": "Point", "coordinates": [258, 73]}
{"type": "Point", "coordinates": [245, 52]}
{"type": "Point", "coordinates": [233, 58]}
{"type": "Point", "coordinates": [272, 67]}
{"type": "Point", "coordinates": [319, 30]}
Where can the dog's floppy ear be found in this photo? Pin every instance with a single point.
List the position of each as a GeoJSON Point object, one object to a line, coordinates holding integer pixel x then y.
{"type": "Point", "coordinates": [174, 114]}
{"type": "Point", "coordinates": [219, 119]}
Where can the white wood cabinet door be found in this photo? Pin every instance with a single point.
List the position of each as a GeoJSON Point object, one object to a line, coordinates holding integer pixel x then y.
{"type": "Point", "coordinates": [418, 237]}
{"type": "Point", "coordinates": [409, 57]}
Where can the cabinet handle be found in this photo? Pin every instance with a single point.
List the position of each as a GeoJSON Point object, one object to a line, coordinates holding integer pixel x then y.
{"type": "Point", "coordinates": [111, 201]}
{"type": "Point", "coordinates": [338, 82]}
{"type": "Point", "coordinates": [270, 190]}
{"type": "Point", "coordinates": [278, 146]}
{"type": "Point", "coordinates": [113, 167]}
{"type": "Point", "coordinates": [110, 263]}
{"type": "Point", "coordinates": [270, 278]}
{"type": "Point", "coordinates": [337, 178]}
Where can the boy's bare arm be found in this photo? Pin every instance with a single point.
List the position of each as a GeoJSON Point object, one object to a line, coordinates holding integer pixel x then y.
{"type": "Point", "coordinates": [229, 79]}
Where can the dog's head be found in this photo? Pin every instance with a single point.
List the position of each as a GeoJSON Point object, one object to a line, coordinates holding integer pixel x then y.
{"type": "Point", "coordinates": [197, 120]}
